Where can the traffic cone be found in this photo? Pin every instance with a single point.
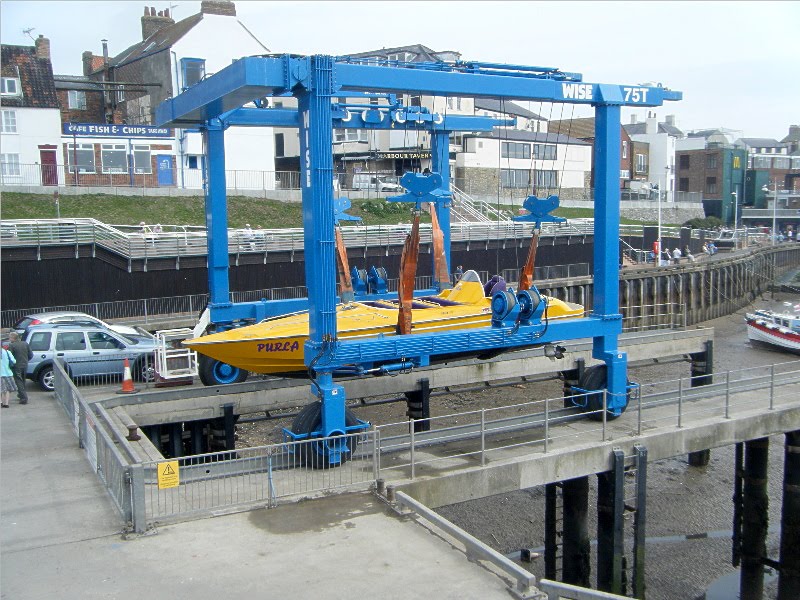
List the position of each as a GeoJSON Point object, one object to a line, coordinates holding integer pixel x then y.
{"type": "Point", "coordinates": [127, 380]}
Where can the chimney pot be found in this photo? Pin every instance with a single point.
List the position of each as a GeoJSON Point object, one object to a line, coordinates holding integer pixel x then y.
{"type": "Point", "coordinates": [166, 12]}
{"type": "Point", "coordinates": [153, 21]}
{"type": "Point", "coordinates": [218, 7]}
{"type": "Point", "coordinates": [42, 47]}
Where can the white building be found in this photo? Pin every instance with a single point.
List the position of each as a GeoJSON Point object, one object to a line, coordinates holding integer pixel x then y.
{"type": "Point", "coordinates": [662, 138]}
{"type": "Point", "coordinates": [508, 165]}
{"type": "Point", "coordinates": [30, 122]}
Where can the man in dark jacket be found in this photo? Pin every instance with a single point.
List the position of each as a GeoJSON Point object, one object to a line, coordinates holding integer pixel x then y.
{"type": "Point", "coordinates": [22, 354]}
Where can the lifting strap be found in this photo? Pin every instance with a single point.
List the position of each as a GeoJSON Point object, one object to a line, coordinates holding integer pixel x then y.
{"type": "Point", "coordinates": [343, 267]}
{"type": "Point", "coordinates": [408, 272]}
{"type": "Point", "coordinates": [441, 276]}
{"type": "Point", "coordinates": [526, 273]}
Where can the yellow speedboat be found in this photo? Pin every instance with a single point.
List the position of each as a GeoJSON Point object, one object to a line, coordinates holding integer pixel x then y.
{"type": "Point", "coordinates": [276, 345]}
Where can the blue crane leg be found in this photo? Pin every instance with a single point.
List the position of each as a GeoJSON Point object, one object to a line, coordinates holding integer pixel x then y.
{"type": "Point", "coordinates": [606, 247]}
{"type": "Point", "coordinates": [316, 140]}
{"type": "Point", "coordinates": [216, 215]}
{"type": "Point", "coordinates": [440, 163]}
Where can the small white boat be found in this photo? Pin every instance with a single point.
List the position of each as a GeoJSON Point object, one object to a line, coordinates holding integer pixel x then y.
{"type": "Point", "coordinates": [777, 329]}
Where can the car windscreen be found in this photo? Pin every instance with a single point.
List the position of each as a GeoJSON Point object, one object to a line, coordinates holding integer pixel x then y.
{"type": "Point", "coordinates": [23, 323]}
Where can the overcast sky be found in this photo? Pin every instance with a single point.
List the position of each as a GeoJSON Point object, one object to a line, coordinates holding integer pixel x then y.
{"type": "Point", "coordinates": [737, 63]}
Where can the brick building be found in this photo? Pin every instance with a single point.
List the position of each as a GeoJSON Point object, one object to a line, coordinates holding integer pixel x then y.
{"type": "Point", "coordinates": [634, 156]}
{"type": "Point", "coordinates": [717, 172]}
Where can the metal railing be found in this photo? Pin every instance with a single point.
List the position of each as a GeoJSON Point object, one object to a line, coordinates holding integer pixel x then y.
{"type": "Point", "coordinates": [530, 426]}
{"type": "Point", "coordinates": [106, 456]}
{"type": "Point", "coordinates": [261, 476]}
{"type": "Point", "coordinates": [249, 477]}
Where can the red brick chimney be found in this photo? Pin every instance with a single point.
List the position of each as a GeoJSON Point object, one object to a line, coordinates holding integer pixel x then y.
{"type": "Point", "coordinates": [218, 7]}
{"type": "Point", "coordinates": [42, 47]}
{"type": "Point", "coordinates": [152, 21]}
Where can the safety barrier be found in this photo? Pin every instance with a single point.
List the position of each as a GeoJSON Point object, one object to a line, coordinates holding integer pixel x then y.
{"type": "Point", "coordinates": [106, 456]}
{"type": "Point", "coordinates": [530, 426]}
{"type": "Point", "coordinates": [262, 476]}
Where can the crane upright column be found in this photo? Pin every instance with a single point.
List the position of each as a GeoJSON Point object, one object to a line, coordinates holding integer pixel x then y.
{"type": "Point", "coordinates": [606, 247]}
{"type": "Point", "coordinates": [316, 172]}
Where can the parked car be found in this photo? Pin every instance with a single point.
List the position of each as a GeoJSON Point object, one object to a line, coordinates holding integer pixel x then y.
{"type": "Point", "coordinates": [76, 318]}
{"type": "Point", "coordinates": [380, 183]}
{"type": "Point", "coordinates": [87, 351]}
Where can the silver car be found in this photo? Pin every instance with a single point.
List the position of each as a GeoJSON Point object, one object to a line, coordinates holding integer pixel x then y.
{"type": "Point", "coordinates": [87, 351]}
{"type": "Point", "coordinates": [73, 317]}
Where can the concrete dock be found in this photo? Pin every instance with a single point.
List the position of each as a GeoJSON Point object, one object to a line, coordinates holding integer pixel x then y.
{"type": "Point", "coordinates": [61, 537]}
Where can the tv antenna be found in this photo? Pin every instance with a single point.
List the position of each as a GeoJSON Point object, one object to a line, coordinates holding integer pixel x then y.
{"type": "Point", "coordinates": [28, 32]}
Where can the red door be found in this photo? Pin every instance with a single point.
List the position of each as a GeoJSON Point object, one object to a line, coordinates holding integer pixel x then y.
{"type": "Point", "coordinates": [49, 167]}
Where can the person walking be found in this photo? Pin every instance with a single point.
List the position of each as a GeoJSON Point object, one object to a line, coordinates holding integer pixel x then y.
{"type": "Point", "coordinates": [7, 384]}
{"type": "Point", "coordinates": [22, 353]}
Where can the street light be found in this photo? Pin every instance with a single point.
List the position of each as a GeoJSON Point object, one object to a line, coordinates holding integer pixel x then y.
{"type": "Point", "coordinates": [765, 188]}
{"type": "Point", "coordinates": [735, 212]}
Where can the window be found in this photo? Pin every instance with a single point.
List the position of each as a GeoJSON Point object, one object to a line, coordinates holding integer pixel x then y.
{"type": "Point", "coordinates": [40, 341]}
{"type": "Point", "coordinates": [76, 99]}
{"type": "Point", "coordinates": [737, 162]}
{"type": "Point", "coordinates": [277, 104]}
{"type": "Point", "coordinates": [279, 149]}
{"type": "Point", "coordinates": [120, 94]}
{"type": "Point", "coordinates": [711, 185]}
{"type": "Point", "coordinates": [544, 151]}
{"type": "Point", "coordinates": [194, 69]}
{"type": "Point", "coordinates": [780, 162]}
{"type": "Point", "coordinates": [711, 161]}
{"type": "Point", "coordinates": [141, 160]}
{"type": "Point", "coordinates": [99, 340]}
{"type": "Point", "coordinates": [515, 150]}
{"type": "Point", "coordinates": [114, 158]}
{"type": "Point", "coordinates": [349, 135]}
{"type": "Point", "coordinates": [415, 100]}
{"type": "Point", "coordinates": [624, 149]}
{"type": "Point", "coordinates": [641, 163]}
{"type": "Point", "coordinates": [684, 161]}
{"type": "Point", "coordinates": [545, 179]}
{"type": "Point", "coordinates": [194, 162]}
{"type": "Point", "coordinates": [80, 157]}
{"type": "Point", "coordinates": [9, 86]}
{"type": "Point", "coordinates": [401, 56]}
{"type": "Point", "coordinates": [515, 178]}
{"type": "Point", "coordinates": [796, 162]}
{"type": "Point", "coordinates": [70, 340]}
{"type": "Point", "coordinates": [683, 184]}
{"type": "Point", "coordinates": [762, 162]}
{"type": "Point", "coordinates": [9, 123]}
{"type": "Point", "coordinates": [9, 165]}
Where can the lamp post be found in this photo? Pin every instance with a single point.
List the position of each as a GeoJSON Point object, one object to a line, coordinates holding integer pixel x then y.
{"type": "Point", "coordinates": [735, 214]}
{"type": "Point", "coordinates": [765, 188]}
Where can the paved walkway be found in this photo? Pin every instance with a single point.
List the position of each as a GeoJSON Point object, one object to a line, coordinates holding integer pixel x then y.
{"type": "Point", "coordinates": [61, 537]}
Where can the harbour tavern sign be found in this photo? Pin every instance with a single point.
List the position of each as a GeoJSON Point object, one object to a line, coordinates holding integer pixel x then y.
{"type": "Point", "coordinates": [404, 155]}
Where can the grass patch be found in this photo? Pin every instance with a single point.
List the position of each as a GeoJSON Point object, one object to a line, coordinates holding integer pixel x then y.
{"type": "Point", "coordinates": [190, 210]}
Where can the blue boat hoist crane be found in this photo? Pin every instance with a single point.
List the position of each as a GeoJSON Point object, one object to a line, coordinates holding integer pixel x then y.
{"type": "Point", "coordinates": [235, 97]}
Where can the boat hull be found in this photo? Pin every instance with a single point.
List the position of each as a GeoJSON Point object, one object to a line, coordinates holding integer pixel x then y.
{"type": "Point", "coordinates": [276, 346]}
{"type": "Point", "coordinates": [759, 330]}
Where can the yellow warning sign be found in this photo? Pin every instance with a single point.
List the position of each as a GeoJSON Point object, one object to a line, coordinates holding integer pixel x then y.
{"type": "Point", "coordinates": [168, 475]}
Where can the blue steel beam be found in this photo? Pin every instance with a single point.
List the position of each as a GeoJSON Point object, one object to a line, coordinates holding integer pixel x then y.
{"type": "Point", "coordinates": [216, 215]}
{"type": "Point", "coordinates": [284, 117]}
{"type": "Point", "coordinates": [350, 352]}
{"type": "Point", "coordinates": [256, 77]}
{"type": "Point", "coordinates": [606, 240]}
